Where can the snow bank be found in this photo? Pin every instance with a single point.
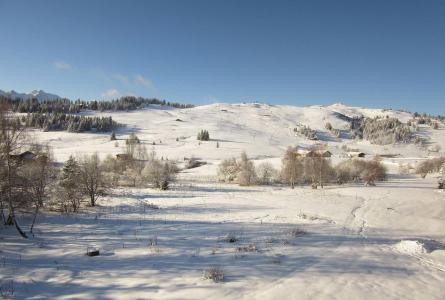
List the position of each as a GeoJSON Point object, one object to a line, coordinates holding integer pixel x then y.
{"type": "Point", "coordinates": [411, 247]}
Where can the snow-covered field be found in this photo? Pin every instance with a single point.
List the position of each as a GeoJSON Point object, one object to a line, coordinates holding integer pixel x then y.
{"type": "Point", "coordinates": [383, 242]}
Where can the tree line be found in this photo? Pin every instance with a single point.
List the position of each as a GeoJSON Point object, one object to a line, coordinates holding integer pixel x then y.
{"type": "Point", "coordinates": [381, 131]}
{"type": "Point", "coordinates": [67, 106]}
{"type": "Point", "coordinates": [71, 123]}
{"type": "Point", "coordinates": [313, 169]}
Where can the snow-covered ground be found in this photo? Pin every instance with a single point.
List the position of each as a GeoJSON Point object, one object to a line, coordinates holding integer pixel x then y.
{"type": "Point", "coordinates": [383, 242]}
{"type": "Point", "coordinates": [261, 130]}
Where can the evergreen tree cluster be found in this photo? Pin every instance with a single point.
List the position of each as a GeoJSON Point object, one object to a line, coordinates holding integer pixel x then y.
{"type": "Point", "coordinates": [428, 119]}
{"type": "Point", "coordinates": [432, 121]}
{"type": "Point", "coordinates": [203, 135]}
{"type": "Point", "coordinates": [71, 123]}
{"type": "Point", "coordinates": [381, 131]}
{"type": "Point", "coordinates": [66, 106]}
{"type": "Point", "coordinates": [307, 132]}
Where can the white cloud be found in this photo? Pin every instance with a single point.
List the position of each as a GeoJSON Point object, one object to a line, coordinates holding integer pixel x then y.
{"type": "Point", "coordinates": [121, 78]}
{"type": "Point", "coordinates": [62, 65]}
{"type": "Point", "coordinates": [140, 80]}
{"type": "Point", "coordinates": [111, 93]}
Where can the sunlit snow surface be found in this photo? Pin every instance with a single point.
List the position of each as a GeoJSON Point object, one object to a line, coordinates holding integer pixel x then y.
{"type": "Point", "coordinates": [383, 242]}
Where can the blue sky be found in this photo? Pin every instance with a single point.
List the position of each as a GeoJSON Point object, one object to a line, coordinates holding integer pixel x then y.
{"type": "Point", "coordinates": [370, 53]}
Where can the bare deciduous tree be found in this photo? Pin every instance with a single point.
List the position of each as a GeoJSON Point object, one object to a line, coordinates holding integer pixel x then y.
{"type": "Point", "coordinates": [91, 177]}
{"type": "Point", "coordinates": [12, 138]}
{"type": "Point", "coordinates": [292, 169]}
{"type": "Point", "coordinates": [38, 175]}
{"type": "Point", "coordinates": [246, 175]}
{"type": "Point", "coordinates": [160, 174]}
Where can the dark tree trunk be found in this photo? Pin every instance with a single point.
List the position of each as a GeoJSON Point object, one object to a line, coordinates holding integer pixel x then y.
{"type": "Point", "coordinates": [9, 221]}
{"type": "Point", "coordinates": [34, 218]}
{"type": "Point", "coordinates": [12, 219]}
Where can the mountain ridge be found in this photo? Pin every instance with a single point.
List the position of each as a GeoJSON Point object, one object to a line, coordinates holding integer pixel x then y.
{"type": "Point", "coordinates": [40, 95]}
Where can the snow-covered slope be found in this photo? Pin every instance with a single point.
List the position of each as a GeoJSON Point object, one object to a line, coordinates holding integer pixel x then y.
{"type": "Point", "coordinates": [383, 242]}
{"type": "Point", "coordinates": [259, 129]}
{"type": "Point", "coordinates": [36, 94]}
{"type": "Point", "coordinates": [352, 111]}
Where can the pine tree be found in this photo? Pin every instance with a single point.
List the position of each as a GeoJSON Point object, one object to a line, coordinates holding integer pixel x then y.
{"type": "Point", "coordinates": [69, 183]}
{"type": "Point", "coordinates": [203, 135]}
{"type": "Point", "coordinates": [328, 126]}
{"type": "Point", "coordinates": [69, 171]}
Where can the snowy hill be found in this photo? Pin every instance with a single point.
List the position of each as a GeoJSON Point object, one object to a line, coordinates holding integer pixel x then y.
{"type": "Point", "coordinates": [36, 94]}
{"type": "Point", "coordinates": [346, 241]}
{"type": "Point", "coordinates": [259, 129]}
{"type": "Point", "coordinates": [369, 112]}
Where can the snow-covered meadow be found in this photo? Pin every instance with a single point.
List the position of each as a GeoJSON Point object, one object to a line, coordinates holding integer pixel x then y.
{"type": "Point", "coordinates": [340, 242]}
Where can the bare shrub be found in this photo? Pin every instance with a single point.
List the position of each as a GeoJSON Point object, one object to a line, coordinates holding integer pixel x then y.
{"type": "Point", "coordinates": [151, 206]}
{"type": "Point", "coordinates": [432, 165]}
{"type": "Point", "coordinates": [215, 274]}
{"type": "Point", "coordinates": [360, 170]}
{"type": "Point", "coordinates": [229, 238]}
{"type": "Point", "coordinates": [241, 171]}
{"type": "Point", "coordinates": [266, 173]}
{"type": "Point", "coordinates": [160, 174]}
{"type": "Point", "coordinates": [247, 248]}
{"type": "Point", "coordinates": [228, 170]}
{"type": "Point", "coordinates": [296, 232]}
{"type": "Point", "coordinates": [373, 171]}
{"type": "Point", "coordinates": [194, 163]}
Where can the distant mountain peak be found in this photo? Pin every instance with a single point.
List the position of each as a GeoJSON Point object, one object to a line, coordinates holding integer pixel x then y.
{"type": "Point", "coordinates": [40, 95]}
